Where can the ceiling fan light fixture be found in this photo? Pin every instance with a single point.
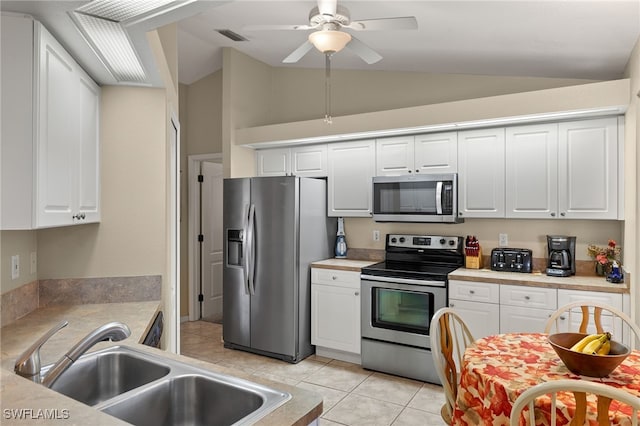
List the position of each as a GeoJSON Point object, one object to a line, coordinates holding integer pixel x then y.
{"type": "Point", "coordinates": [329, 41]}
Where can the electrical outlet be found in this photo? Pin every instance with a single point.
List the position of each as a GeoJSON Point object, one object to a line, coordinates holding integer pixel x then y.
{"type": "Point", "coordinates": [376, 235]}
{"type": "Point", "coordinates": [504, 240]}
{"type": "Point", "coordinates": [34, 263]}
{"type": "Point", "coordinates": [15, 267]}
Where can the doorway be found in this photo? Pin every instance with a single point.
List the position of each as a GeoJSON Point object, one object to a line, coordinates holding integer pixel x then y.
{"type": "Point", "coordinates": [206, 237]}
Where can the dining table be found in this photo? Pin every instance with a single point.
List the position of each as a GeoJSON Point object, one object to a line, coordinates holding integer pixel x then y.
{"type": "Point", "coordinates": [496, 369]}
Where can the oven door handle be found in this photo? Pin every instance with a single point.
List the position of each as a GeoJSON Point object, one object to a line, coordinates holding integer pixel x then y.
{"type": "Point", "coordinates": [403, 281]}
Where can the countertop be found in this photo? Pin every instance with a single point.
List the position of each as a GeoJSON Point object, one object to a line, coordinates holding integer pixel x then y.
{"type": "Point", "coordinates": [540, 279]}
{"type": "Point", "coordinates": [18, 393]}
{"type": "Point", "coordinates": [343, 264]}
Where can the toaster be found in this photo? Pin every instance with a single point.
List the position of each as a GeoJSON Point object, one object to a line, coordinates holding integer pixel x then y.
{"type": "Point", "coordinates": [511, 259]}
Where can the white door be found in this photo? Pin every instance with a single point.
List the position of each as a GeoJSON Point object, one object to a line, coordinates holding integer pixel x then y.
{"type": "Point", "coordinates": [211, 248]}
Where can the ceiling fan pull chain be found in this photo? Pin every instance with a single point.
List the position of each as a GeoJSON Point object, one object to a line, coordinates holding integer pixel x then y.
{"type": "Point", "coordinates": [327, 89]}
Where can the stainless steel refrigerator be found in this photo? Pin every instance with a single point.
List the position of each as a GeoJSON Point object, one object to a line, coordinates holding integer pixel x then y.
{"type": "Point", "coordinates": [274, 228]}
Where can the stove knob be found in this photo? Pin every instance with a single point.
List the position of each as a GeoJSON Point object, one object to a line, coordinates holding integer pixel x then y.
{"type": "Point", "coordinates": [452, 242]}
{"type": "Point", "coordinates": [442, 240]}
{"type": "Point", "coordinates": [394, 240]}
{"type": "Point", "coordinates": [402, 239]}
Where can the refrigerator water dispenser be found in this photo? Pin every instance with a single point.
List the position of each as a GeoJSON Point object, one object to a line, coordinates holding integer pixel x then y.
{"type": "Point", "coordinates": [235, 243]}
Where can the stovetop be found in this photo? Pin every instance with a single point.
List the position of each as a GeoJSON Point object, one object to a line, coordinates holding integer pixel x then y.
{"type": "Point", "coordinates": [425, 257]}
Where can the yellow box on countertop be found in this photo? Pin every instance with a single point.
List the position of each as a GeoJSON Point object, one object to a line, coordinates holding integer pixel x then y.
{"type": "Point", "coordinates": [474, 262]}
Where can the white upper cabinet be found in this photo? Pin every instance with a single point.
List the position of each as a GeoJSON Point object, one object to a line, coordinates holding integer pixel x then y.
{"type": "Point", "coordinates": [351, 168]}
{"type": "Point", "coordinates": [394, 156]}
{"type": "Point", "coordinates": [273, 162]}
{"type": "Point", "coordinates": [305, 161]}
{"type": "Point", "coordinates": [588, 169]}
{"type": "Point", "coordinates": [532, 171]}
{"type": "Point", "coordinates": [436, 153]}
{"type": "Point", "coordinates": [481, 173]}
{"type": "Point", "coordinates": [429, 153]}
{"type": "Point", "coordinates": [53, 148]}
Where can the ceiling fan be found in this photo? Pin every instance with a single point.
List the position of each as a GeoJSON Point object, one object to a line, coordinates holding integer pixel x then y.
{"type": "Point", "coordinates": [328, 19]}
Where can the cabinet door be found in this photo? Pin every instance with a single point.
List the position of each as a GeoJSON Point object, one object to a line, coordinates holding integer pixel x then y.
{"type": "Point", "coordinates": [482, 319]}
{"type": "Point", "coordinates": [436, 153]}
{"type": "Point", "coordinates": [481, 168]}
{"type": "Point", "coordinates": [588, 175]}
{"type": "Point", "coordinates": [58, 134]}
{"type": "Point", "coordinates": [335, 317]}
{"type": "Point", "coordinates": [88, 204]}
{"type": "Point", "coordinates": [532, 171]}
{"type": "Point", "coordinates": [394, 156]}
{"type": "Point", "coordinates": [309, 161]}
{"type": "Point", "coordinates": [351, 168]}
{"type": "Point", "coordinates": [273, 162]}
{"type": "Point", "coordinates": [516, 319]}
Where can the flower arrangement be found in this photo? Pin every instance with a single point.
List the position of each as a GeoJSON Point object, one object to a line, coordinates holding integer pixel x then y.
{"type": "Point", "coordinates": [604, 256]}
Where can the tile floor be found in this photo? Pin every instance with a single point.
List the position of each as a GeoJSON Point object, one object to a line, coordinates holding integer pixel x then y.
{"type": "Point", "coordinates": [351, 394]}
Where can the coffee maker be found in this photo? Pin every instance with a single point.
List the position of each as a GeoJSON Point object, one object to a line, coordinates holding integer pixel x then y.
{"type": "Point", "coordinates": [562, 256]}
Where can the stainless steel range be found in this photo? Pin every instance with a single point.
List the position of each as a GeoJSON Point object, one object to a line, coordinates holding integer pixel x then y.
{"type": "Point", "coordinates": [399, 298]}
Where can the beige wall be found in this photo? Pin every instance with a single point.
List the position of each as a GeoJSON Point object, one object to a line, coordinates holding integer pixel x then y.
{"type": "Point", "coordinates": [632, 176]}
{"type": "Point", "coordinates": [298, 94]}
{"type": "Point", "coordinates": [21, 243]}
{"type": "Point", "coordinates": [204, 115]}
{"type": "Point", "coordinates": [130, 239]}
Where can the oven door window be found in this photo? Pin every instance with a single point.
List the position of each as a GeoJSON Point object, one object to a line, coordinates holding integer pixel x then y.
{"type": "Point", "coordinates": [402, 310]}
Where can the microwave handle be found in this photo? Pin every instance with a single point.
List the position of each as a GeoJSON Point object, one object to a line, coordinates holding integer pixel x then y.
{"type": "Point", "coordinates": [439, 197]}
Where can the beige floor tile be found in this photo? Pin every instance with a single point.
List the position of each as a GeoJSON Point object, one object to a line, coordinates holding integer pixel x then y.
{"type": "Point", "coordinates": [339, 377]}
{"type": "Point", "coordinates": [389, 388]}
{"type": "Point", "coordinates": [359, 410]}
{"type": "Point", "coordinates": [275, 378]}
{"type": "Point", "coordinates": [330, 397]}
{"type": "Point", "coordinates": [325, 422]}
{"type": "Point", "coordinates": [298, 371]}
{"type": "Point", "coordinates": [429, 398]}
{"type": "Point", "coordinates": [413, 417]}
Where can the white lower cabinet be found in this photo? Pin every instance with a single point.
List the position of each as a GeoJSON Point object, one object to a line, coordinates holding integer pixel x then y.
{"type": "Point", "coordinates": [477, 303]}
{"type": "Point", "coordinates": [525, 309]}
{"type": "Point", "coordinates": [335, 313]}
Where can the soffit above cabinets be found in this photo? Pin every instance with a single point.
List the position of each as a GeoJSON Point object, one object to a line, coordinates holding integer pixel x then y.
{"type": "Point", "coordinates": [99, 34]}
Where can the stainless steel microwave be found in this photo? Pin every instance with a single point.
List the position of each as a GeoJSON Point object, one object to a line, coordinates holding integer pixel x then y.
{"type": "Point", "coordinates": [416, 198]}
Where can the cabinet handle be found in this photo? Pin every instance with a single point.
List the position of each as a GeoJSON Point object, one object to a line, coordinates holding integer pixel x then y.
{"type": "Point", "coordinates": [527, 298]}
{"type": "Point", "coordinates": [78, 216]}
{"type": "Point", "coordinates": [472, 292]}
{"type": "Point", "coordinates": [333, 277]}
{"type": "Point", "coordinates": [409, 171]}
{"type": "Point", "coordinates": [417, 170]}
{"type": "Point", "coordinates": [357, 293]}
{"type": "Point", "coordinates": [451, 305]}
{"type": "Point", "coordinates": [562, 214]}
{"type": "Point", "coordinates": [563, 318]}
{"type": "Point", "coordinates": [553, 214]}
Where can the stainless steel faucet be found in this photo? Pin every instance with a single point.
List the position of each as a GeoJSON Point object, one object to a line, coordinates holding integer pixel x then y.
{"type": "Point", "coordinates": [28, 364]}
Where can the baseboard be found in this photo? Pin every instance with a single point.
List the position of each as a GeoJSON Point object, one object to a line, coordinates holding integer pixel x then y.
{"type": "Point", "coordinates": [184, 318]}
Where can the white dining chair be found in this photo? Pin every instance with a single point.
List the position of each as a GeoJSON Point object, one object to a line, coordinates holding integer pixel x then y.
{"type": "Point", "coordinates": [629, 333]}
{"type": "Point", "coordinates": [449, 336]}
{"type": "Point", "coordinates": [580, 388]}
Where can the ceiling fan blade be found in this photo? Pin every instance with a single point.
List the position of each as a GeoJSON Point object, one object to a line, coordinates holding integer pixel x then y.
{"type": "Point", "coordinates": [404, 23]}
{"type": "Point", "coordinates": [278, 27]}
{"type": "Point", "coordinates": [297, 54]}
{"type": "Point", "coordinates": [328, 7]}
{"type": "Point", "coordinates": [365, 52]}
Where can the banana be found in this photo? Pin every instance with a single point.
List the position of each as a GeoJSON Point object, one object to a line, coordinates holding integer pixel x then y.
{"type": "Point", "coordinates": [578, 347]}
{"type": "Point", "coordinates": [595, 345]}
{"type": "Point", "coordinates": [605, 348]}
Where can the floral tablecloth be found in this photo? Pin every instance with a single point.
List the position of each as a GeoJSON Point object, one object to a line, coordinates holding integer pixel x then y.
{"type": "Point", "coordinates": [497, 369]}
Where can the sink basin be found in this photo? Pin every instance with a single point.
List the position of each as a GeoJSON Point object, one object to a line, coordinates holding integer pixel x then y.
{"type": "Point", "coordinates": [95, 378]}
{"type": "Point", "coordinates": [148, 389]}
{"type": "Point", "coordinates": [192, 399]}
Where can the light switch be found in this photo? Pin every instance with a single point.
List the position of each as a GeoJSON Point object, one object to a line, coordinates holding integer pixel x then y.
{"type": "Point", "coordinates": [15, 267]}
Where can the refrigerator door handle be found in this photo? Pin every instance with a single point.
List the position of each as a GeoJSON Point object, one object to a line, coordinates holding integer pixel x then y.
{"type": "Point", "coordinates": [246, 250]}
{"type": "Point", "coordinates": [251, 286]}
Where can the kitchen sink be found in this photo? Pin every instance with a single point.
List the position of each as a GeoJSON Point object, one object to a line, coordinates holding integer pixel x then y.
{"type": "Point", "coordinates": [148, 389]}
{"type": "Point", "coordinates": [95, 378]}
{"type": "Point", "coordinates": [194, 400]}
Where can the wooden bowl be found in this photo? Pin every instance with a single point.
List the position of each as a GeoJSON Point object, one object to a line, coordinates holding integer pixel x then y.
{"type": "Point", "coordinates": [587, 364]}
